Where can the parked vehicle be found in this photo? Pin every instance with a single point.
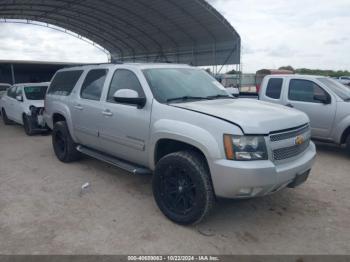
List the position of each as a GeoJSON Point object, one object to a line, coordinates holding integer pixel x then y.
{"type": "Point", "coordinates": [24, 104]}
{"type": "Point", "coordinates": [231, 83]}
{"type": "Point", "coordinates": [323, 99]}
{"type": "Point", "coordinates": [180, 124]}
{"type": "Point", "coordinates": [3, 88]}
{"type": "Point", "coordinates": [265, 72]}
{"type": "Point", "coordinates": [345, 80]}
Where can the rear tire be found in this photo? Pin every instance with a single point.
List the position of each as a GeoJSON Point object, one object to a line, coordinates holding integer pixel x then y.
{"type": "Point", "coordinates": [182, 187]}
{"type": "Point", "coordinates": [63, 144]}
{"type": "Point", "coordinates": [348, 145]}
{"type": "Point", "coordinates": [27, 126]}
{"type": "Point", "coordinates": [4, 118]}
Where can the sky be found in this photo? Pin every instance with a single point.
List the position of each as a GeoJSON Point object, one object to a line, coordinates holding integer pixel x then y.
{"type": "Point", "coordinates": [302, 33]}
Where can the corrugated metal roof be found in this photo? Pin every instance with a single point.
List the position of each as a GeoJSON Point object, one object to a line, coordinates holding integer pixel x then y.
{"type": "Point", "coordinates": [181, 31]}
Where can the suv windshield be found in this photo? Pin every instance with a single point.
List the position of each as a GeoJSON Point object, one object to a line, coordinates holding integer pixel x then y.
{"type": "Point", "coordinates": [339, 89]}
{"type": "Point", "coordinates": [35, 92]}
{"type": "Point", "coordinates": [183, 84]}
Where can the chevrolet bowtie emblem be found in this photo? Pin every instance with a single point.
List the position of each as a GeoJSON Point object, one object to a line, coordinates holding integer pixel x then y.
{"type": "Point", "coordinates": [299, 140]}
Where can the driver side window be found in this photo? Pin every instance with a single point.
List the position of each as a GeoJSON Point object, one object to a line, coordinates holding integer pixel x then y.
{"type": "Point", "coordinates": [304, 91]}
{"type": "Point", "coordinates": [19, 92]}
{"type": "Point", "coordinates": [124, 79]}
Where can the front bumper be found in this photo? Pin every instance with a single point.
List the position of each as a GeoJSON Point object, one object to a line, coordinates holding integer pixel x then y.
{"type": "Point", "coordinates": [238, 179]}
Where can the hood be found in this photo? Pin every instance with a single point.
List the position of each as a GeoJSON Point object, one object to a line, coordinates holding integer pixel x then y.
{"type": "Point", "coordinates": [253, 116]}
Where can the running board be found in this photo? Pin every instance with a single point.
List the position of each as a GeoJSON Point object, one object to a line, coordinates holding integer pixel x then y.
{"type": "Point", "coordinates": [129, 167]}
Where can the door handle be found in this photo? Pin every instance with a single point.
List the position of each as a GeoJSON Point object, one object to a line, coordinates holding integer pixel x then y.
{"type": "Point", "coordinates": [79, 107]}
{"type": "Point", "coordinates": [290, 105]}
{"type": "Point", "coordinates": [107, 113]}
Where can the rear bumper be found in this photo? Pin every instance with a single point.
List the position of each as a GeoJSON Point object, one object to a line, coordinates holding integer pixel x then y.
{"type": "Point", "coordinates": [235, 179]}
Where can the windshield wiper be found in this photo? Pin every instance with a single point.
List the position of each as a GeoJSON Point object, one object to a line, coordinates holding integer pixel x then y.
{"type": "Point", "coordinates": [186, 98]}
{"type": "Point", "coordinates": [220, 96]}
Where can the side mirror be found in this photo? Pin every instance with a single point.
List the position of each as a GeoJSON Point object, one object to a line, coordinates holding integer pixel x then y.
{"type": "Point", "coordinates": [128, 96]}
{"type": "Point", "coordinates": [324, 99]}
{"type": "Point", "coordinates": [19, 98]}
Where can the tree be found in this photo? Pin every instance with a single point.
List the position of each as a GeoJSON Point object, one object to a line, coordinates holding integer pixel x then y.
{"type": "Point", "coordinates": [290, 68]}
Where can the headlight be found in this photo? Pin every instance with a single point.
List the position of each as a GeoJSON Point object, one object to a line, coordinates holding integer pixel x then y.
{"type": "Point", "coordinates": [245, 148]}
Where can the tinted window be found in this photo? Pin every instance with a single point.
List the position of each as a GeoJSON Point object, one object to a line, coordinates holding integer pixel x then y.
{"type": "Point", "coordinates": [93, 84]}
{"type": "Point", "coordinates": [304, 90]}
{"type": "Point", "coordinates": [124, 79]}
{"type": "Point", "coordinates": [274, 88]}
{"type": "Point", "coordinates": [35, 92]}
{"type": "Point", "coordinates": [64, 82]}
{"type": "Point", "coordinates": [12, 92]}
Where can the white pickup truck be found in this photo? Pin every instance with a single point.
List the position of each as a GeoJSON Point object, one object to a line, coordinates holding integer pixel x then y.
{"type": "Point", "coordinates": [323, 99]}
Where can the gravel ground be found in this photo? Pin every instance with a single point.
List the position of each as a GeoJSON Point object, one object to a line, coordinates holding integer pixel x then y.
{"type": "Point", "coordinates": [42, 210]}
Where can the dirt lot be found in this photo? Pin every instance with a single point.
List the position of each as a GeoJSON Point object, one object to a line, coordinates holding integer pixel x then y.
{"type": "Point", "coordinates": [43, 212]}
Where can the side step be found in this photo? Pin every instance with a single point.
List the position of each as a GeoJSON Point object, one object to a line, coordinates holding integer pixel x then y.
{"type": "Point", "coordinates": [129, 167]}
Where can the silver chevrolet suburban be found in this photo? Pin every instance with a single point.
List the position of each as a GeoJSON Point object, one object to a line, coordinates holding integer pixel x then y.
{"type": "Point", "coordinates": [179, 124]}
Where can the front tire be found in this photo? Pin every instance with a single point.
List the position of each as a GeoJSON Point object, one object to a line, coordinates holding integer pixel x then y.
{"type": "Point", "coordinates": [63, 144]}
{"type": "Point", "coordinates": [182, 187]}
{"type": "Point", "coordinates": [5, 118]}
{"type": "Point", "coordinates": [28, 129]}
{"type": "Point", "coordinates": [348, 145]}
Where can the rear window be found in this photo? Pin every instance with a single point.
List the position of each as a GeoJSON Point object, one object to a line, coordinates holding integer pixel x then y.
{"type": "Point", "coordinates": [64, 82]}
{"type": "Point", "coordinates": [274, 88]}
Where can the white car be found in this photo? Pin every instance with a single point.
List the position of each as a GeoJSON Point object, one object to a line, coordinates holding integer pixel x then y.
{"type": "Point", "coordinates": [24, 104]}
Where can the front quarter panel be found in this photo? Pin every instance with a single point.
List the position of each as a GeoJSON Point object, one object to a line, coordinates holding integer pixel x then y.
{"type": "Point", "coordinates": [342, 121]}
{"type": "Point", "coordinates": [201, 131]}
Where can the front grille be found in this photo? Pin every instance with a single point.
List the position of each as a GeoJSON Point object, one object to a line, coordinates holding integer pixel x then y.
{"type": "Point", "coordinates": [290, 134]}
{"type": "Point", "coordinates": [288, 152]}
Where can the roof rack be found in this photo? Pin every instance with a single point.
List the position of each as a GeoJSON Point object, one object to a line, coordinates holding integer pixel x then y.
{"type": "Point", "coordinates": [93, 64]}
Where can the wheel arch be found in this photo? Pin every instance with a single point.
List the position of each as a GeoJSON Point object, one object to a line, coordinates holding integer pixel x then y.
{"type": "Point", "coordinates": [64, 116]}
{"type": "Point", "coordinates": [167, 146]}
{"type": "Point", "coordinates": [345, 135]}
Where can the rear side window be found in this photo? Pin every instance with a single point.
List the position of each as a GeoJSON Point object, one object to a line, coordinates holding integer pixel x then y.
{"type": "Point", "coordinates": [274, 88]}
{"type": "Point", "coordinates": [124, 79]}
{"type": "Point", "coordinates": [93, 84]}
{"type": "Point", "coordinates": [64, 82]}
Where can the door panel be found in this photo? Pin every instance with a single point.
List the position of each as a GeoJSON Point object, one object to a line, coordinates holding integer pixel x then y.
{"type": "Point", "coordinates": [125, 128]}
{"type": "Point", "coordinates": [9, 103]}
{"type": "Point", "coordinates": [125, 131]}
{"type": "Point", "coordinates": [17, 106]}
{"type": "Point", "coordinates": [301, 96]}
{"type": "Point", "coordinates": [87, 109]}
{"type": "Point", "coordinates": [84, 115]}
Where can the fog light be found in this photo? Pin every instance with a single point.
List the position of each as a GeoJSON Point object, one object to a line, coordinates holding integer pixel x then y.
{"type": "Point", "coordinates": [245, 191]}
{"type": "Point", "coordinates": [249, 191]}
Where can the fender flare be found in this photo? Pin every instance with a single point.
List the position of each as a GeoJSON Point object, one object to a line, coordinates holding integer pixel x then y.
{"type": "Point", "coordinates": [186, 133]}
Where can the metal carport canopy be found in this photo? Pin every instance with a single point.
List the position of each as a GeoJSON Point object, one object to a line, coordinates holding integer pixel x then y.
{"type": "Point", "coordinates": [179, 31]}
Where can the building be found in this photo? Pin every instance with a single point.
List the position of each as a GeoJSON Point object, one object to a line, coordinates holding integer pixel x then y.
{"type": "Point", "coordinates": [28, 71]}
